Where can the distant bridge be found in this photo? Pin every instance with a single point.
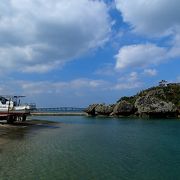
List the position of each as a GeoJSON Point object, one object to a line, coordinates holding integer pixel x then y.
{"type": "Point", "coordinates": [59, 109]}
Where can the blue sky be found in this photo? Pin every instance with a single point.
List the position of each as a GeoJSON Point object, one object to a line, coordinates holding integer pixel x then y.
{"type": "Point", "coordinates": [78, 52]}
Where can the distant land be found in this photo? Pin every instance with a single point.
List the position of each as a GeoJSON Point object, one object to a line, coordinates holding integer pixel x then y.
{"type": "Point", "coordinates": [162, 101]}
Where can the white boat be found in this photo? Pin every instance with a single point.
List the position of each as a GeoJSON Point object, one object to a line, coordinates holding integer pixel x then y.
{"type": "Point", "coordinates": [12, 110]}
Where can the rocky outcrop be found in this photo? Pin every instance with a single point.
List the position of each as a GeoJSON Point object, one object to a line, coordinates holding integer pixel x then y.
{"type": "Point", "coordinates": [153, 107]}
{"type": "Point", "coordinates": [99, 109]}
{"type": "Point", "coordinates": [157, 93]}
{"type": "Point", "coordinates": [102, 109]}
{"type": "Point", "coordinates": [153, 102]}
{"type": "Point", "coordinates": [123, 108]}
{"type": "Point", "coordinates": [91, 109]}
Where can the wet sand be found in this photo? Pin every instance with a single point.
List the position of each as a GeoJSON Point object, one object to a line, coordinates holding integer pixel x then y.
{"type": "Point", "coordinates": [27, 123]}
{"type": "Point", "coordinates": [18, 130]}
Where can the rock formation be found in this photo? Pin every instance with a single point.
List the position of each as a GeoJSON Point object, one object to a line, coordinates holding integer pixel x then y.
{"type": "Point", "coordinates": [91, 109]}
{"type": "Point", "coordinates": [160, 101]}
{"type": "Point", "coordinates": [149, 106]}
{"type": "Point", "coordinates": [123, 108]}
{"type": "Point", "coordinates": [102, 109]}
{"type": "Point", "coordinates": [99, 109]}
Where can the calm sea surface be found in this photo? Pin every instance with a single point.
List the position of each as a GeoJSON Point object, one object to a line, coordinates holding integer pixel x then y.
{"type": "Point", "coordinates": [85, 148]}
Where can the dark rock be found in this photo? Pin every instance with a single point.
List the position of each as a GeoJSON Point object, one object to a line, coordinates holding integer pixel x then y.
{"type": "Point", "coordinates": [123, 108]}
{"type": "Point", "coordinates": [91, 109]}
{"type": "Point", "coordinates": [102, 109]}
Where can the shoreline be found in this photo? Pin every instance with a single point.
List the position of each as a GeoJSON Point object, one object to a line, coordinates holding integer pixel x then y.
{"type": "Point", "coordinates": [87, 115]}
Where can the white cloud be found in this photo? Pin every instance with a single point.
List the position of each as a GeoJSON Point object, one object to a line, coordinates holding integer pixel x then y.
{"type": "Point", "coordinates": [76, 85]}
{"type": "Point", "coordinates": [139, 55]}
{"type": "Point", "coordinates": [133, 76]}
{"type": "Point", "coordinates": [175, 44]}
{"type": "Point", "coordinates": [155, 17]}
{"type": "Point", "coordinates": [129, 81]}
{"type": "Point", "coordinates": [150, 72]}
{"type": "Point", "coordinates": [127, 86]}
{"type": "Point", "coordinates": [35, 33]}
{"type": "Point", "coordinates": [75, 92]}
{"type": "Point", "coordinates": [42, 68]}
{"type": "Point", "coordinates": [85, 87]}
{"type": "Point", "coordinates": [105, 70]}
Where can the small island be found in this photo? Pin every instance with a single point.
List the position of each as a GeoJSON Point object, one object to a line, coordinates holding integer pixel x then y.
{"type": "Point", "coordinates": [162, 101]}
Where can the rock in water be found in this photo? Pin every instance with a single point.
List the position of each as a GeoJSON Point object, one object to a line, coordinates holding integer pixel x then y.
{"type": "Point", "coordinates": [123, 108]}
{"type": "Point", "coordinates": [99, 109]}
{"type": "Point", "coordinates": [91, 109]}
{"type": "Point", "coordinates": [102, 109]}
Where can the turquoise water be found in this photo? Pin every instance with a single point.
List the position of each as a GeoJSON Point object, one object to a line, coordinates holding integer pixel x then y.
{"type": "Point", "coordinates": [92, 148]}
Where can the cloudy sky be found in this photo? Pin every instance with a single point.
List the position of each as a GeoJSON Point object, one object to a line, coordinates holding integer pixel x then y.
{"type": "Point", "coordinates": [77, 52]}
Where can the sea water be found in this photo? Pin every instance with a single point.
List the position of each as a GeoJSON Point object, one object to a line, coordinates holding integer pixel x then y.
{"type": "Point", "coordinates": [84, 148]}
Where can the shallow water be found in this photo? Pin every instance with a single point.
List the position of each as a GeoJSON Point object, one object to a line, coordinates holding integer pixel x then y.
{"type": "Point", "coordinates": [92, 148]}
